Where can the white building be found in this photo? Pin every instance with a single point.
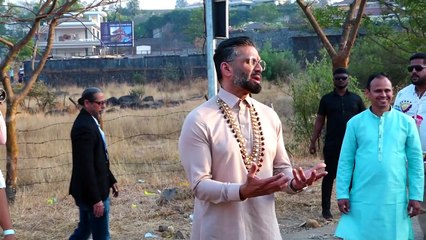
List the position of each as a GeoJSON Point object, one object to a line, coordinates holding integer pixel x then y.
{"type": "Point", "coordinates": [76, 36]}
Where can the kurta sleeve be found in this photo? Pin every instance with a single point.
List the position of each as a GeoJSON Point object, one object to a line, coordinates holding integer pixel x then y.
{"type": "Point", "coordinates": [346, 162]}
{"type": "Point", "coordinates": [282, 162]}
{"type": "Point", "coordinates": [415, 164]}
{"type": "Point", "coordinates": [196, 157]}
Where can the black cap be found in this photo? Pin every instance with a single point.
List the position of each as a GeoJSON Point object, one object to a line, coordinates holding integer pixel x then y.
{"type": "Point", "coordinates": [89, 94]}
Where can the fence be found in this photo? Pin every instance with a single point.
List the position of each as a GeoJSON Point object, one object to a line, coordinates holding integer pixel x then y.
{"type": "Point", "coordinates": [142, 145]}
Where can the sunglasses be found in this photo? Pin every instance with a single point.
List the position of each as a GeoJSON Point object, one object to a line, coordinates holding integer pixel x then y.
{"type": "Point", "coordinates": [418, 68]}
{"type": "Point", "coordinates": [340, 78]}
{"type": "Point", "coordinates": [99, 102]}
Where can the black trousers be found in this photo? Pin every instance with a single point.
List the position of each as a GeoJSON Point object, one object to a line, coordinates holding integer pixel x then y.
{"type": "Point", "coordinates": [331, 158]}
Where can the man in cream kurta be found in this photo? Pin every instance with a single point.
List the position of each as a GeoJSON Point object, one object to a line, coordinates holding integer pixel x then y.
{"type": "Point", "coordinates": [380, 170]}
{"type": "Point", "coordinates": [234, 198]}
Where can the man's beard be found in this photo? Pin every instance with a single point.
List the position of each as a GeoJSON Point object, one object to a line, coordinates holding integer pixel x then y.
{"type": "Point", "coordinates": [419, 82]}
{"type": "Point", "coordinates": [340, 86]}
{"type": "Point", "coordinates": [97, 115]}
{"type": "Point", "coordinates": [243, 80]}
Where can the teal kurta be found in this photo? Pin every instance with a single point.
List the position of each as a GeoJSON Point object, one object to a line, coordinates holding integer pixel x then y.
{"type": "Point", "coordinates": [377, 154]}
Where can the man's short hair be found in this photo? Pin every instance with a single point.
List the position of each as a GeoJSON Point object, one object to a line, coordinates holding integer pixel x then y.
{"type": "Point", "coordinates": [226, 51]}
{"type": "Point", "coordinates": [88, 94]}
{"type": "Point", "coordinates": [419, 56]}
{"type": "Point", "coordinates": [375, 75]}
{"type": "Point", "coordinates": [340, 71]}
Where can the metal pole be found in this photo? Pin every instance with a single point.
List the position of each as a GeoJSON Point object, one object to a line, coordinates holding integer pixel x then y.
{"type": "Point", "coordinates": [210, 47]}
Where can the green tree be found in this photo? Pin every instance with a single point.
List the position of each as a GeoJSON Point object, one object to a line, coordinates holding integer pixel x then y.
{"type": "Point", "coordinates": [390, 40]}
{"type": "Point", "coordinates": [119, 14]}
{"type": "Point", "coordinates": [195, 29]}
{"type": "Point", "coordinates": [185, 24]}
{"type": "Point", "coordinates": [330, 16]}
{"type": "Point", "coordinates": [132, 8]}
{"type": "Point", "coordinates": [43, 95]}
{"type": "Point", "coordinates": [403, 30]}
{"type": "Point", "coordinates": [265, 13]}
{"type": "Point", "coordinates": [181, 4]}
{"type": "Point", "coordinates": [238, 17]}
{"type": "Point", "coordinates": [292, 16]}
{"type": "Point", "coordinates": [369, 56]}
{"type": "Point", "coordinates": [279, 65]}
{"type": "Point", "coordinates": [3, 10]}
{"type": "Point", "coordinates": [152, 23]}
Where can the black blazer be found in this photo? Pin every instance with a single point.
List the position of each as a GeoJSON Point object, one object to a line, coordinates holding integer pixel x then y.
{"type": "Point", "coordinates": [91, 177]}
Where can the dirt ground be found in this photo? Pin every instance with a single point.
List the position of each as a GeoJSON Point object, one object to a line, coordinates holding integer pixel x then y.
{"type": "Point", "coordinates": [298, 214]}
{"type": "Point", "coordinates": [326, 232]}
{"type": "Point", "coordinates": [140, 212]}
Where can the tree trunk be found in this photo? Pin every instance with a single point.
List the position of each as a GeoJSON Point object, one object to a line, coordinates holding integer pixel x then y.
{"type": "Point", "coordinates": [340, 61]}
{"type": "Point", "coordinates": [11, 151]}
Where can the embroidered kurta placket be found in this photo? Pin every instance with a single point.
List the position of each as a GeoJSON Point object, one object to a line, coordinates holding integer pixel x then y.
{"type": "Point", "coordinates": [243, 117]}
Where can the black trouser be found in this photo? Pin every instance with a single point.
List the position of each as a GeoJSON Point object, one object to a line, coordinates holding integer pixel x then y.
{"type": "Point", "coordinates": [331, 158]}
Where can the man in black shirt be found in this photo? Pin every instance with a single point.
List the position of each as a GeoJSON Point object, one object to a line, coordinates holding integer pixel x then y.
{"type": "Point", "coordinates": [338, 107]}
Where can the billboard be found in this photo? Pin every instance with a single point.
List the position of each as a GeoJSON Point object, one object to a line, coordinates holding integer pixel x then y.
{"type": "Point", "coordinates": [118, 34]}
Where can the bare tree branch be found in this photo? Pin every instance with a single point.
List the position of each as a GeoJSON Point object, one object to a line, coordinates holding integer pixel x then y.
{"type": "Point", "coordinates": [355, 27]}
{"type": "Point", "coordinates": [392, 9]}
{"type": "Point", "coordinates": [306, 8]}
{"type": "Point", "coordinates": [340, 58]}
{"type": "Point", "coordinates": [347, 25]}
{"type": "Point", "coordinates": [390, 50]}
{"type": "Point", "coordinates": [6, 42]}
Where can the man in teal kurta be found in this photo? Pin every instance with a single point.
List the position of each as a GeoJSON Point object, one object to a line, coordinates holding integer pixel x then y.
{"type": "Point", "coordinates": [380, 171]}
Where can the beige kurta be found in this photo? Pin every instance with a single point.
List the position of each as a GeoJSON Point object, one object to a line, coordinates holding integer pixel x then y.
{"type": "Point", "coordinates": [213, 164]}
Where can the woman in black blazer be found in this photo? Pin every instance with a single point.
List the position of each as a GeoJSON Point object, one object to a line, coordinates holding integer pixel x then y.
{"type": "Point", "coordinates": [91, 177]}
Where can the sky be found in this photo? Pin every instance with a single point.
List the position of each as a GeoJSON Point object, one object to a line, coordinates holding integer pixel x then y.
{"type": "Point", "coordinates": [169, 4]}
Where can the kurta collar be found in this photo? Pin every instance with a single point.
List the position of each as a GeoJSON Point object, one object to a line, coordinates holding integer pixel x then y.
{"type": "Point", "coordinates": [385, 114]}
{"type": "Point", "coordinates": [412, 89]}
{"type": "Point", "coordinates": [230, 99]}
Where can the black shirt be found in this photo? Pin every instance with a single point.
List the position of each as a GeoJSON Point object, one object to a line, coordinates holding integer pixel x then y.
{"type": "Point", "coordinates": [338, 110]}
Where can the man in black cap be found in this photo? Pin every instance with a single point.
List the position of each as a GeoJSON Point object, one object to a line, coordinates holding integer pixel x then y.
{"type": "Point", "coordinates": [338, 107]}
{"type": "Point", "coordinates": [91, 178]}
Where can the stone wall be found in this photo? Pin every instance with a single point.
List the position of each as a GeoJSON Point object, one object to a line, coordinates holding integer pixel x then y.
{"type": "Point", "coordinates": [85, 72]}
{"type": "Point", "coordinates": [133, 69]}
